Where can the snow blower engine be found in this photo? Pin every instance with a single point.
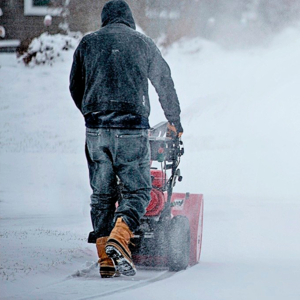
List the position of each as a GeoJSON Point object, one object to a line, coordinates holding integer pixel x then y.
{"type": "Point", "coordinates": [170, 233]}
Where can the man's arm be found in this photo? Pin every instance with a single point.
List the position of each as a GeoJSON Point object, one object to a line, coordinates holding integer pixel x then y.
{"type": "Point", "coordinates": [160, 76]}
{"type": "Point", "coordinates": [77, 80]}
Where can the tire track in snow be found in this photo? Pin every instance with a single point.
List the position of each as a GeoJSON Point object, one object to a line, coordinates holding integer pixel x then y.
{"type": "Point", "coordinates": [166, 274]}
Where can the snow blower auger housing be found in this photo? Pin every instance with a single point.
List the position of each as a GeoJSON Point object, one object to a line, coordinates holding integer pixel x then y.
{"type": "Point", "coordinates": [170, 234]}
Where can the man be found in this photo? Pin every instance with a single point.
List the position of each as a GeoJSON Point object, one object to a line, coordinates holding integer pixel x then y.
{"type": "Point", "coordinates": [109, 85]}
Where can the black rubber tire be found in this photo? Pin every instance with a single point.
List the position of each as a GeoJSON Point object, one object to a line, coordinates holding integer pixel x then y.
{"type": "Point", "coordinates": [179, 240]}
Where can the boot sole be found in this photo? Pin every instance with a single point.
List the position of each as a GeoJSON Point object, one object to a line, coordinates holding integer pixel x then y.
{"type": "Point", "coordinates": [123, 265]}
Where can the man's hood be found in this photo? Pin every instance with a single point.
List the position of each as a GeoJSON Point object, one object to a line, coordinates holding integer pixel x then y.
{"type": "Point", "coordinates": [117, 11]}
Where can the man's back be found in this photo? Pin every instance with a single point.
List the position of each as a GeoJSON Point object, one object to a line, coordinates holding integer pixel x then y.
{"type": "Point", "coordinates": [110, 72]}
{"type": "Point", "coordinates": [116, 61]}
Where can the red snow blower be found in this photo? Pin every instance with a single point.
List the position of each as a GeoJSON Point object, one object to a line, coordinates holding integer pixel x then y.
{"type": "Point", "coordinates": [170, 234]}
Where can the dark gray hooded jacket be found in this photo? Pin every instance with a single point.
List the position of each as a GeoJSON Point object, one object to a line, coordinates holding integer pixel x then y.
{"type": "Point", "coordinates": [110, 71]}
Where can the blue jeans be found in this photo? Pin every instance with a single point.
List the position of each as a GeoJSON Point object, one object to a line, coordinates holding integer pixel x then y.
{"type": "Point", "coordinates": [119, 170]}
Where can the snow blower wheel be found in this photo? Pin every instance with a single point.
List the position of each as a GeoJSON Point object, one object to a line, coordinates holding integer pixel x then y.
{"type": "Point", "coordinates": [179, 240]}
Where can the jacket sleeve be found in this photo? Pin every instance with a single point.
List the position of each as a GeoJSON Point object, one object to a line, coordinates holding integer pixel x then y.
{"type": "Point", "coordinates": [77, 81]}
{"type": "Point", "coordinates": [160, 76]}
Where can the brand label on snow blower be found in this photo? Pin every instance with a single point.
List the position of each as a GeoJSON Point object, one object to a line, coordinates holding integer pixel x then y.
{"type": "Point", "coordinates": [177, 204]}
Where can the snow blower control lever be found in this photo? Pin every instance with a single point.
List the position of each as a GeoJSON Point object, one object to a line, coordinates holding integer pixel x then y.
{"type": "Point", "coordinates": [166, 148]}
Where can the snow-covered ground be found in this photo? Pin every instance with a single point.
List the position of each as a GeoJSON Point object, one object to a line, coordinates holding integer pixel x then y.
{"type": "Point", "coordinates": [241, 115]}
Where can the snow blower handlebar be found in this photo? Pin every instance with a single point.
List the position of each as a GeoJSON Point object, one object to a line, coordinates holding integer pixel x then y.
{"type": "Point", "coordinates": [167, 148]}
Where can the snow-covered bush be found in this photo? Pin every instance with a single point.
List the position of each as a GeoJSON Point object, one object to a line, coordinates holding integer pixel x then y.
{"type": "Point", "coordinates": [46, 48]}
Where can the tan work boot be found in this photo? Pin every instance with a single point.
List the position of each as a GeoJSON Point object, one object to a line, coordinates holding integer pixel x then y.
{"type": "Point", "coordinates": [107, 267]}
{"type": "Point", "coordinates": [117, 248]}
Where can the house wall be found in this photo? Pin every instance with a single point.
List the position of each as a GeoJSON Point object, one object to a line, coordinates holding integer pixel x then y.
{"type": "Point", "coordinates": [21, 27]}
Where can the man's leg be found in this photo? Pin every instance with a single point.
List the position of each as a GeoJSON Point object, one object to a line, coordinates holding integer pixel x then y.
{"type": "Point", "coordinates": [104, 185]}
{"type": "Point", "coordinates": [132, 162]}
{"type": "Point", "coordinates": [105, 194]}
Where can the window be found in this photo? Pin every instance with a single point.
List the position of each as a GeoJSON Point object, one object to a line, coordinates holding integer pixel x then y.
{"type": "Point", "coordinates": [40, 8]}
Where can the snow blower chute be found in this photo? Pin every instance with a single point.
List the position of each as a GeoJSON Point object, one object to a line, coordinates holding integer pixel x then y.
{"type": "Point", "coordinates": [170, 234]}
